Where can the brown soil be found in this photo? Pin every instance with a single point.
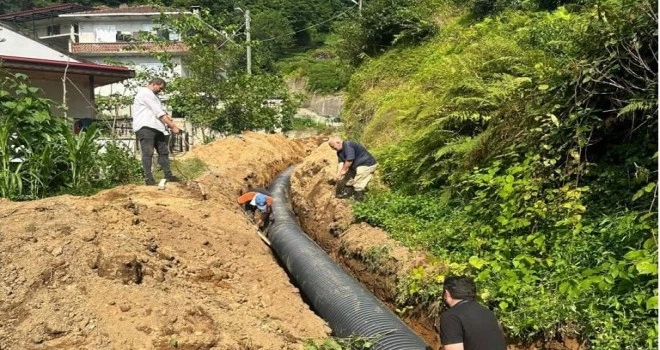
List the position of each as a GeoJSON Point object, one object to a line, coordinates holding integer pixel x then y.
{"type": "Point", "coordinates": [139, 268]}
{"type": "Point", "coordinates": [329, 221]}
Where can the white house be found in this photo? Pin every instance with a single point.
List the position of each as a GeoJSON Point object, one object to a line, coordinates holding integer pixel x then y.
{"type": "Point", "coordinates": [103, 35]}
{"type": "Point", "coordinates": [115, 34]}
{"type": "Point", "coordinates": [43, 24]}
{"type": "Point", "coordinates": [62, 77]}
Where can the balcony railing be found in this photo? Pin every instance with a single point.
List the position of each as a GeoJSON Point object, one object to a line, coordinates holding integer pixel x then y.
{"type": "Point", "coordinates": [134, 47]}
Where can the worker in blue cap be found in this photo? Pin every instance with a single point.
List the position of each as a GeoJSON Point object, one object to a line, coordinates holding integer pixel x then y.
{"type": "Point", "coordinates": [259, 204]}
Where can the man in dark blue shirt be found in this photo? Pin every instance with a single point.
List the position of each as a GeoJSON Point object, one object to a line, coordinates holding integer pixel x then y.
{"type": "Point", "coordinates": [467, 325]}
{"type": "Point", "coordinates": [355, 161]}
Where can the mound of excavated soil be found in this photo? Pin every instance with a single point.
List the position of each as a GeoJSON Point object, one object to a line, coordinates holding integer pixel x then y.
{"type": "Point", "coordinates": [139, 268]}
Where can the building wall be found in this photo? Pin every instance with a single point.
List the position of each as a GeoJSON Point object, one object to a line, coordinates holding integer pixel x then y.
{"type": "Point", "coordinates": [15, 44]}
{"type": "Point", "coordinates": [104, 31]}
{"type": "Point", "coordinates": [140, 64]}
{"type": "Point", "coordinates": [41, 29]}
{"type": "Point", "coordinates": [78, 94]}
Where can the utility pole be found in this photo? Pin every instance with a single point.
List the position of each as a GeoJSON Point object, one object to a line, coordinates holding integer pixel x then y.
{"type": "Point", "coordinates": [359, 4]}
{"type": "Point", "coordinates": [247, 39]}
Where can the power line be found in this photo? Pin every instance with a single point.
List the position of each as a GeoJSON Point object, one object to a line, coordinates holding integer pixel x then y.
{"type": "Point", "coordinates": [232, 36]}
{"type": "Point", "coordinates": [310, 27]}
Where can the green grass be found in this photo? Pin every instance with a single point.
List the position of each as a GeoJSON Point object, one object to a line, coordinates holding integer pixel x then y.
{"type": "Point", "coordinates": [350, 343]}
{"type": "Point", "coordinates": [300, 124]}
{"type": "Point", "coordinates": [324, 73]}
{"type": "Point", "coordinates": [185, 169]}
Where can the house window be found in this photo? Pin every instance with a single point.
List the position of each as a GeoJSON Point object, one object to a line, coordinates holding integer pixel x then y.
{"type": "Point", "coordinates": [105, 33]}
{"type": "Point", "coordinates": [123, 37]}
{"type": "Point", "coordinates": [53, 30]}
{"type": "Point", "coordinates": [162, 33]}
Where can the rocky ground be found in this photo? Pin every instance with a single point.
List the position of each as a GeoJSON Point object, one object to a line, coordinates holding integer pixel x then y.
{"type": "Point", "coordinates": [139, 268]}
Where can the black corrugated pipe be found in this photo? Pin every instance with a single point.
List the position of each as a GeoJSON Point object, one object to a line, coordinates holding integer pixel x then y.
{"type": "Point", "coordinates": [349, 308]}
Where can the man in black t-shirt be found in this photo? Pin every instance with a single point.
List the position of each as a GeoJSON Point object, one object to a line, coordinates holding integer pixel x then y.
{"type": "Point", "coordinates": [467, 325]}
{"type": "Point", "coordinates": [355, 164]}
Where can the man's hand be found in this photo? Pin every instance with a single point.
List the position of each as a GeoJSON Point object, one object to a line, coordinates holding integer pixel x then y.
{"type": "Point", "coordinates": [167, 120]}
{"type": "Point", "coordinates": [260, 223]}
{"type": "Point", "coordinates": [258, 218]}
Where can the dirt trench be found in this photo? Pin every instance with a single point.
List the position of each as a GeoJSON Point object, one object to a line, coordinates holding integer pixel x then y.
{"type": "Point", "coordinates": [366, 252]}
{"type": "Point", "coordinates": [138, 268]}
{"type": "Point", "coordinates": [329, 221]}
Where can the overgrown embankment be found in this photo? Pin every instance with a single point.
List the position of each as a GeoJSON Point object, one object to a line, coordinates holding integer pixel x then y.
{"type": "Point", "coordinates": [522, 150]}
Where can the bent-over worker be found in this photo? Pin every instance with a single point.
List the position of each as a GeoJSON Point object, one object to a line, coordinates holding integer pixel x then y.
{"type": "Point", "coordinates": [259, 204]}
{"type": "Point", "coordinates": [356, 166]}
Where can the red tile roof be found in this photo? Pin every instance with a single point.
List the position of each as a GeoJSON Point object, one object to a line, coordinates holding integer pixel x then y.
{"type": "Point", "coordinates": [127, 47]}
{"type": "Point", "coordinates": [43, 12]}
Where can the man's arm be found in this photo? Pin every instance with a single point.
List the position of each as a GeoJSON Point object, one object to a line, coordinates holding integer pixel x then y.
{"type": "Point", "coordinates": [349, 158]}
{"type": "Point", "coordinates": [344, 169]}
{"type": "Point", "coordinates": [170, 124]}
{"type": "Point", "coordinates": [451, 332]}
{"type": "Point", "coordinates": [154, 105]}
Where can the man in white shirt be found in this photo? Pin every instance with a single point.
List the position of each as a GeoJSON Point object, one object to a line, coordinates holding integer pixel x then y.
{"type": "Point", "coordinates": [151, 123]}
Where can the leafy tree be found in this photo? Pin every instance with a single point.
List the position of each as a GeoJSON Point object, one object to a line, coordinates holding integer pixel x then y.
{"type": "Point", "coordinates": [273, 35]}
{"type": "Point", "coordinates": [383, 24]}
{"type": "Point", "coordinates": [217, 93]}
{"type": "Point", "coordinates": [300, 14]}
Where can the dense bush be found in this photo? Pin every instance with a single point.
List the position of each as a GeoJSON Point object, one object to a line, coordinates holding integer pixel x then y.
{"type": "Point", "coordinates": [383, 24]}
{"type": "Point", "coordinates": [40, 155]}
{"type": "Point", "coordinates": [483, 8]}
{"type": "Point", "coordinates": [324, 72]}
{"type": "Point", "coordinates": [533, 140]}
{"type": "Point", "coordinates": [120, 165]}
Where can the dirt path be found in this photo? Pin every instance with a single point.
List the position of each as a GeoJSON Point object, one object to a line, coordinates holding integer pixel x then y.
{"type": "Point", "coordinates": [138, 268]}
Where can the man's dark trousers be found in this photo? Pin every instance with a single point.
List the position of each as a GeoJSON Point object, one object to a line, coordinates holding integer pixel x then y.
{"type": "Point", "coordinates": [151, 139]}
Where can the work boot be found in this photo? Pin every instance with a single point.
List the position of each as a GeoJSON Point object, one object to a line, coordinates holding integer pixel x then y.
{"type": "Point", "coordinates": [346, 193]}
{"type": "Point", "coordinates": [358, 196]}
{"type": "Point", "coordinates": [150, 182]}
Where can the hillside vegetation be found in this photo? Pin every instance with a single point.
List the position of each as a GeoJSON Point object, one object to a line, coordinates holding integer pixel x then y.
{"type": "Point", "coordinates": [519, 143]}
